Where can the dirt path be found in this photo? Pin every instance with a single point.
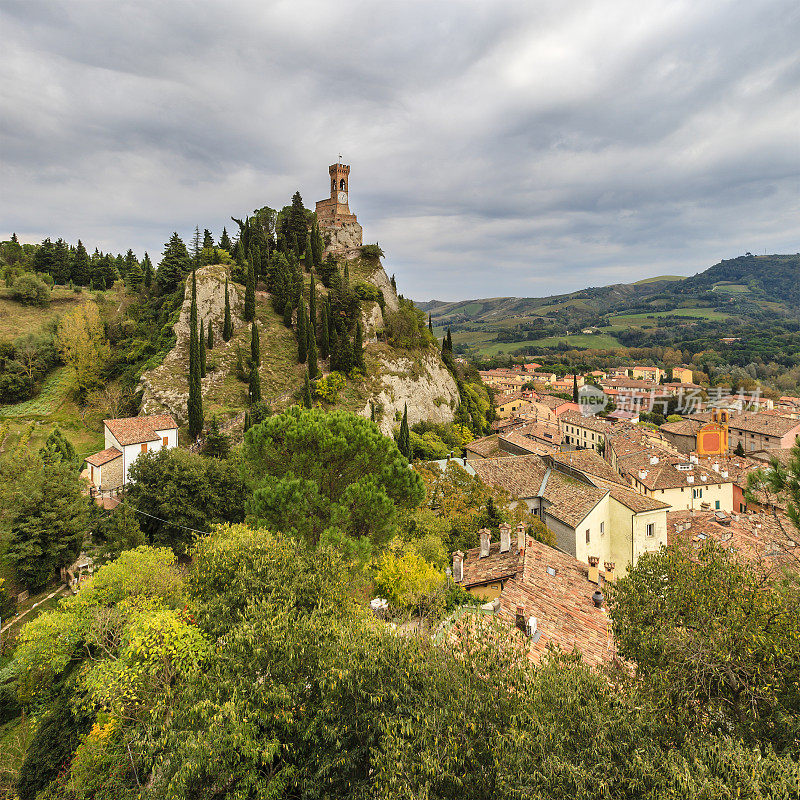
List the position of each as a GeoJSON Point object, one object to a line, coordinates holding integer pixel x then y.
{"type": "Point", "coordinates": [28, 611]}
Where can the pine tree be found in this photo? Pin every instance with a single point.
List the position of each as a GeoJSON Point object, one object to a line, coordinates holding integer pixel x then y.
{"type": "Point", "coordinates": [430, 323]}
{"type": "Point", "coordinates": [61, 266]}
{"type": "Point", "coordinates": [227, 325]}
{"type": "Point", "coordinates": [307, 392]}
{"type": "Point", "coordinates": [147, 271]}
{"type": "Point", "coordinates": [358, 347]}
{"type": "Point", "coordinates": [250, 293]}
{"type": "Point", "coordinates": [404, 437]}
{"type": "Point", "coordinates": [210, 342]}
{"type": "Point", "coordinates": [308, 256]}
{"type": "Point", "coordinates": [313, 367]}
{"type": "Point", "coordinates": [324, 342]}
{"type": "Point", "coordinates": [302, 336]}
{"type": "Point", "coordinates": [225, 241]}
{"type": "Point", "coordinates": [130, 262]}
{"type": "Point", "coordinates": [449, 341]}
{"type": "Point", "coordinates": [134, 277]}
{"type": "Point", "coordinates": [217, 443]}
{"type": "Point", "coordinates": [317, 245]}
{"type": "Point", "coordinates": [288, 310]}
{"type": "Point", "coordinates": [297, 221]}
{"type": "Point", "coordinates": [195, 402]}
{"type": "Point", "coordinates": [174, 265]}
{"type": "Point", "coordinates": [208, 239]}
{"type": "Point", "coordinates": [81, 272]}
{"type": "Point", "coordinates": [574, 388]}
{"type": "Point", "coordinates": [202, 344]}
{"type": "Point", "coordinates": [255, 346]}
{"type": "Point", "coordinates": [393, 282]}
{"type": "Point", "coordinates": [14, 238]}
{"type": "Point", "coordinates": [197, 244]}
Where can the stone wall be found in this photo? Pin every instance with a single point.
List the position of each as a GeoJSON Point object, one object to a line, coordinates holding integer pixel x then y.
{"type": "Point", "coordinates": [345, 239]}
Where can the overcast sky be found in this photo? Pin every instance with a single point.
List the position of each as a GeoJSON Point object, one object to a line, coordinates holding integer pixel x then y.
{"type": "Point", "coordinates": [497, 148]}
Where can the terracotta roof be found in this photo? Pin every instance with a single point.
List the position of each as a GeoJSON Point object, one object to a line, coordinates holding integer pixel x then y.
{"type": "Point", "coordinates": [591, 423]}
{"type": "Point", "coordinates": [783, 455]}
{"type": "Point", "coordinates": [520, 476]}
{"type": "Point", "coordinates": [665, 473]}
{"type": "Point", "coordinates": [552, 402]}
{"type": "Point", "coordinates": [588, 462]}
{"type": "Point", "coordinates": [494, 567]}
{"type": "Point", "coordinates": [562, 604]}
{"type": "Point", "coordinates": [767, 424]}
{"type": "Point", "coordinates": [571, 500]}
{"type": "Point", "coordinates": [638, 503]}
{"type": "Point", "coordinates": [686, 427]}
{"type": "Point", "coordinates": [545, 431]}
{"type": "Point", "coordinates": [757, 538]}
{"type": "Point", "coordinates": [133, 430]}
{"type": "Point", "coordinates": [485, 446]}
{"type": "Point", "coordinates": [104, 456]}
{"type": "Point", "coordinates": [518, 439]}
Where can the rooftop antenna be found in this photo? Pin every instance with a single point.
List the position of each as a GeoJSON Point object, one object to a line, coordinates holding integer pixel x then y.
{"type": "Point", "coordinates": [340, 158]}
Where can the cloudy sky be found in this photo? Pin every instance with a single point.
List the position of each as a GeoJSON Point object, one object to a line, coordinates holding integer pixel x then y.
{"type": "Point", "coordinates": [497, 148]}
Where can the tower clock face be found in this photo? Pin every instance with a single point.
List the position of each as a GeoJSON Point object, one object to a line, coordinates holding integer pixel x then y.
{"type": "Point", "coordinates": [342, 197]}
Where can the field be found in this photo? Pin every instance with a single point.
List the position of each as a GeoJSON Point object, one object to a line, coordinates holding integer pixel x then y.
{"type": "Point", "coordinates": [626, 320]}
{"type": "Point", "coordinates": [483, 341]}
{"type": "Point", "coordinates": [17, 319]}
{"type": "Point", "coordinates": [660, 278]}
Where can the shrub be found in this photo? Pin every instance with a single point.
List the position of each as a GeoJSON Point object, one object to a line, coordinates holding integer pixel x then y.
{"type": "Point", "coordinates": [371, 252]}
{"type": "Point", "coordinates": [31, 290]}
{"type": "Point", "coordinates": [366, 291]}
{"type": "Point", "coordinates": [327, 388]}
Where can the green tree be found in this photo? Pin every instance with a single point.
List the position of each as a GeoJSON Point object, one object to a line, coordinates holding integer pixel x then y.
{"type": "Point", "coordinates": [297, 221]}
{"type": "Point", "coordinates": [57, 447]}
{"type": "Point", "coordinates": [328, 475]}
{"type": "Point", "coordinates": [50, 526]}
{"type": "Point", "coordinates": [307, 392]}
{"type": "Point", "coordinates": [739, 450]}
{"type": "Point", "coordinates": [174, 265]}
{"type": "Point", "coordinates": [225, 241]}
{"type": "Point", "coordinates": [574, 388]}
{"type": "Point", "coordinates": [227, 325]}
{"type": "Point", "coordinates": [255, 363]}
{"type": "Point", "coordinates": [210, 337]}
{"type": "Point", "coordinates": [147, 271]}
{"type": "Point", "coordinates": [62, 263]}
{"type": "Point", "coordinates": [118, 531]}
{"type": "Point", "coordinates": [202, 344]}
{"type": "Point", "coordinates": [182, 493]}
{"type": "Point", "coordinates": [404, 438]}
{"type": "Point", "coordinates": [302, 335]}
{"type": "Point", "coordinates": [317, 245]}
{"type": "Point", "coordinates": [313, 366]}
{"type": "Point", "coordinates": [81, 272]}
{"type": "Point", "coordinates": [208, 239]}
{"type": "Point", "coordinates": [133, 274]}
{"type": "Point", "coordinates": [250, 293]}
{"type": "Point", "coordinates": [288, 310]}
{"type": "Point", "coordinates": [217, 443]}
{"type": "Point", "coordinates": [312, 301]}
{"type": "Point", "coordinates": [358, 347]}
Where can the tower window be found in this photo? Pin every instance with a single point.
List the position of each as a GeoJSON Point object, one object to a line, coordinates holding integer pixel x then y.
{"type": "Point", "coordinates": [341, 185]}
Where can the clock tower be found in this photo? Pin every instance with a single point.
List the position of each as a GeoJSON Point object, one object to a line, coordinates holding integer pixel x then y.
{"type": "Point", "coordinates": [336, 221]}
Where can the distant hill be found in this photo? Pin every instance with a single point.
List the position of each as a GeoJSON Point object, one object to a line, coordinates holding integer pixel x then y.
{"type": "Point", "coordinates": [745, 290]}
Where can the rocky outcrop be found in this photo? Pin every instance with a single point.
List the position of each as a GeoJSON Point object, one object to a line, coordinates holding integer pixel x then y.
{"type": "Point", "coordinates": [166, 387]}
{"type": "Point", "coordinates": [380, 280]}
{"type": "Point", "coordinates": [344, 239]}
{"type": "Point", "coordinates": [423, 384]}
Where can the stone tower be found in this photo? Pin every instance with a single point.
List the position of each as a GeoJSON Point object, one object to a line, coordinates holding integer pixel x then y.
{"type": "Point", "coordinates": [337, 224]}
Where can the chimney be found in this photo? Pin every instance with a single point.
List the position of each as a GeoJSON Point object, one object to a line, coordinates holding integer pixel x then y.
{"type": "Point", "coordinates": [609, 565]}
{"type": "Point", "coordinates": [715, 467]}
{"type": "Point", "coordinates": [724, 473]}
{"type": "Point", "coordinates": [692, 459]}
{"type": "Point", "coordinates": [520, 619]}
{"type": "Point", "coordinates": [642, 474]}
{"type": "Point", "coordinates": [654, 460]}
{"type": "Point", "coordinates": [505, 537]}
{"type": "Point", "coordinates": [690, 479]}
{"type": "Point", "coordinates": [485, 538]}
{"type": "Point", "coordinates": [458, 566]}
{"type": "Point", "coordinates": [594, 572]}
{"type": "Point", "coordinates": [521, 536]}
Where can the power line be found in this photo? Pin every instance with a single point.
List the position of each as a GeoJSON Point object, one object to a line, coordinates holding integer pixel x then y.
{"type": "Point", "coordinates": [165, 521]}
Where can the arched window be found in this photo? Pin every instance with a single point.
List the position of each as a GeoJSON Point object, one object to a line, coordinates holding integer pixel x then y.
{"type": "Point", "coordinates": [341, 185]}
{"type": "Point", "coordinates": [333, 184]}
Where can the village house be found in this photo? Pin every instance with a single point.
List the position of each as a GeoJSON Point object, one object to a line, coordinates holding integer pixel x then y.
{"type": "Point", "coordinates": [788, 406]}
{"type": "Point", "coordinates": [580, 432]}
{"type": "Point", "coordinates": [549, 408]}
{"type": "Point", "coordinates": [682, 375]}
{"type": "Point", "coordinates": [485, 447]}
{"type": "Point", "coordinates": [682, 434]}
{"type": "Point", "coordinates": [125, 440]}
{"type": "Point", "coordinates": [645, 373]}
{"type": "Point", "coordinates": [513, 404]}
{"type": "Point", "coordinates": [567, 383]}
{"type": "Point", "coordinates": [756, 431]}
{"type": "Point", "coordinates": [589, 514]}
{"type": "Point", "coordinates": [550, 596]}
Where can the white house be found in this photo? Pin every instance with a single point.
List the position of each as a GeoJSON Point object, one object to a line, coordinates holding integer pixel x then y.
{"type": "Point", "coordinates": [125, 440]}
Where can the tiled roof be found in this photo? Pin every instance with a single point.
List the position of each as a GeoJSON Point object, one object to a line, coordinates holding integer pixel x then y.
{"type": "Point", "coordinates": [562, 604]}
{"type": "Point", "coordinates": [783, 455]}
{"type": "Point", "coordinates": [486, 446]}
{"type": "Point", "coordinates": [518, 439]}
{"type": "Point", "coordinates": [686, 427]}
{"type": "Point", "coordinates": [494, 567]}
{"type": "Point", "coordinates": [758, 538]}
{"type": "Point", "coordinates": [587, 461]}
{"type": "Point", "coordinates": [571, 499]}
{"type": "Point", "coordinates": [638, 503]}
{"type": "Point", "coordinates": [551, 402]}
{"type": "Point", "coordinates": [104, 456]}
{"type": "Point", "coordinates": [665, 474]}
{"type": "Point", "coordinates": [766, 424]}
{"type": "Point", "coordinates": [590, 423]}
{"type": "Point", "coordinates": [133, 430]}
{"type": "Point", "coordinates": [546, 431]}
{"type": "Point", "coordinates": [520, 476]}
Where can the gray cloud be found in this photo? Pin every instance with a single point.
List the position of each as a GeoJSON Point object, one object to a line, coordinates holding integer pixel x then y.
{"type": "Point", "coordinates": [496, 148]}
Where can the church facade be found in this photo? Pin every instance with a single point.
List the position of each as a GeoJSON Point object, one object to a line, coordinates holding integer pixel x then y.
{"type": "Point", "coordinates": [337, 223]}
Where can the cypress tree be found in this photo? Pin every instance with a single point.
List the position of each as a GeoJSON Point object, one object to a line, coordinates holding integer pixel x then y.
{"type": "Point", "coordinates": [324, 343]}
{"type": "Point", "coordinates": [287, 314]}
{"type": "Point", "coordinates": [358, 347]}
{"type": "Point", "coordinates": [225, 241]}
{"type": "Point", "coordinates": [250, 293]}
{"type": "Point", "coordinates": [307, 392]}
{"type": "Point", "coordinates": [313, 367]}
{"type": "Point", "coordinates": [255, 346]}
{"type": "Point", "coordinates": [147, 271]}
{"type": "Point", "coordinates": [254, 389]}
{"type": "Point", "coordinates": [297, 221]}
{"type": "Point", "coordinates": [210, 343]}
{"type": "Point", "coordinates": [312, 301]}
{"type": "Point", "coordinates": [393, 282]}
{"type": "Point", "coordinates": [302, 336]}
{"type": "Point", "coordinates": [317, 245]}
{"type": "Point", "coordinates": [430, 323]}
{"type": "Point", "coordinates": [195, 404]}
{"type": "Point", "coordinates": [372, 411]}
{"type": "Point", "coordinates": [574, 388]}
{"type": "Point", "coordinates": [247, 422]}
{"type": "Point", "coordinates": [404, 437]}
{"type": "Point", "coordinates": [346, 275]}
{"type": "Point", "coordinates": [308, 255]}
{"type": "Point", "coordinates": [80, 266]}
{"type": "Point", "coordinates": [202, 344]}
{"type": "Point", "coordinates": [227, 325]}
{"type": "Point", "coordinates": [196, 246]}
